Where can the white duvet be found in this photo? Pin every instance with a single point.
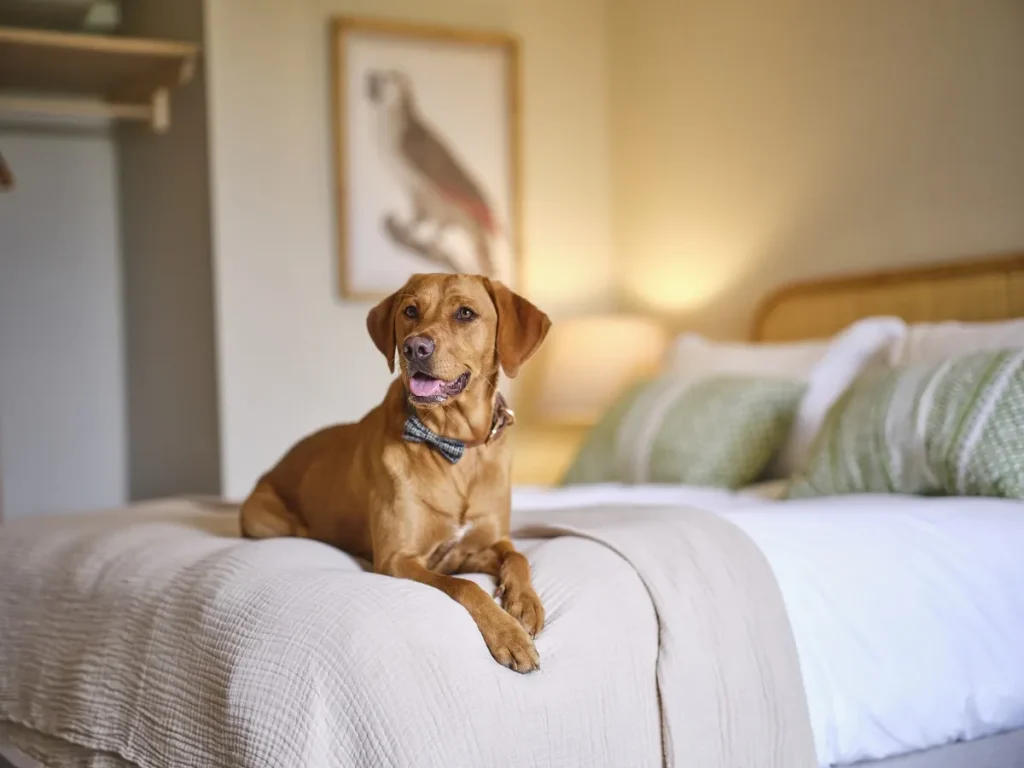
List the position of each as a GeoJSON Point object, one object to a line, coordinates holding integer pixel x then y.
{"type": "Point", "coordinates": [908, 613]}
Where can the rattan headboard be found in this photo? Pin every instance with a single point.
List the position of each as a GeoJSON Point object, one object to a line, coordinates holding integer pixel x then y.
{"type": "Point", "coordinates": [969, 290]}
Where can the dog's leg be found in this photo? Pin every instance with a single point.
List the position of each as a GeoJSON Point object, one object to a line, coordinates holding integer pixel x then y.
{"type": "Point", "coordinates": [515, 588]}
{"type": "Point", "coordinates": [264, 516]}
{"type": "Point", "coordinates": [485, 561]}
{"type": "Point", "coordinates": [507, 641]}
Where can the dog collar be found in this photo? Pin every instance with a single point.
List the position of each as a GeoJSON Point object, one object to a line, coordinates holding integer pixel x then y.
{"type": "Point", "coordinates": [417, 432]}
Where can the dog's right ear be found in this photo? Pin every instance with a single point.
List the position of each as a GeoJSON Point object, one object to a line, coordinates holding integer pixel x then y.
{"type": "Point", "coordinates": [381, 325]}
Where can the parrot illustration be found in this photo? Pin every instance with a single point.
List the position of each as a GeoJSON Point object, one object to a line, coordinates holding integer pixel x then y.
{"type": "Point", "coordinates": [442, 190]}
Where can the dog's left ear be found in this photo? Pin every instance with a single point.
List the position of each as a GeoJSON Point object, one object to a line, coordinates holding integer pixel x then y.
{"type": "Point", "coordinates": [381, 325]}
{"type": "Point", "coordinates": [521, 327]}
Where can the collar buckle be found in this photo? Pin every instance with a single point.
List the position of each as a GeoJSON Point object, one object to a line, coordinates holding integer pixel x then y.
{"type": "Point", "coordinates": [503, 417]}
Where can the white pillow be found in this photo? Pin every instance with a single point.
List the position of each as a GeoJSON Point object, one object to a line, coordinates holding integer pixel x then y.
{"type": "Point", "coordinates": [694, 355]}
{"type": "Point", "coordinates": [935, 342]}
{"type": "Point", "coordinates": [860, 346]}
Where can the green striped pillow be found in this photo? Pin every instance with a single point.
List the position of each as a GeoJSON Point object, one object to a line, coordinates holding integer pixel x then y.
{"type": "Point", "coordinates": [954, 428]}
{"type": "Point", "coordinates": [718, 431]}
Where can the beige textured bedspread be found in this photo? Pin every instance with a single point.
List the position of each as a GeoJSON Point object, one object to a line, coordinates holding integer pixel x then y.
{"type": "Point", "coordinates": [155, 634]}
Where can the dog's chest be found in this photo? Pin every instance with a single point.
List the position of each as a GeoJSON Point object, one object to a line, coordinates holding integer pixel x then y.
{"type": "Point", "coordinates": [445, 546]}
{"type": "Point", "coordinates": [457, 535]}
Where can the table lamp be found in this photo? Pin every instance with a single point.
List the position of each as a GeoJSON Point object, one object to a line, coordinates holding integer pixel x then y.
{"type": "Point", "coordinates": [590, 361]}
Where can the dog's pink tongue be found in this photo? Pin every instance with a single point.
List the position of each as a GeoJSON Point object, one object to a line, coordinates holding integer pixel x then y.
{"type": "Point", "coordinates": [424, 387]}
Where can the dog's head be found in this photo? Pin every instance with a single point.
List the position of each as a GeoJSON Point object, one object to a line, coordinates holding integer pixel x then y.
{"type": "Point", "coordinates": [453, 331]}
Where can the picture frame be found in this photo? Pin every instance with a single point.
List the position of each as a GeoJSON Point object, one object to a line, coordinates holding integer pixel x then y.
{"type": "Point", "coordinates": [427, 142]}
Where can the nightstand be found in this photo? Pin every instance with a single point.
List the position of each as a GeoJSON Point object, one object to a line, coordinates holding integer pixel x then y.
{"type": "Point", "coordinates": [542, 454]}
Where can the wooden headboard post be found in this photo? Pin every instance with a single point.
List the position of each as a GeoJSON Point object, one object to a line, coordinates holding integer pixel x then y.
{"type": "Point", "coordinates": [974, 290]}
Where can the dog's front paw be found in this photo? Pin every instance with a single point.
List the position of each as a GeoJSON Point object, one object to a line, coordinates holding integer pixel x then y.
{"type": "Point", "coordinates": [509, 644]}
{"type": "Point", "coordinates": [523, 605]}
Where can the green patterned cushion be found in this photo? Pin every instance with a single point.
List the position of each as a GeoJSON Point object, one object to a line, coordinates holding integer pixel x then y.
{"type": "Point", "coordinates": [954, 428]}
{"type": "Point", "coordinates": [718, 431]}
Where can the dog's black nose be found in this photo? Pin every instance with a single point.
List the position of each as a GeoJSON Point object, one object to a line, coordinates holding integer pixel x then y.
{"type": "Point", "coordinates": [418, 348]}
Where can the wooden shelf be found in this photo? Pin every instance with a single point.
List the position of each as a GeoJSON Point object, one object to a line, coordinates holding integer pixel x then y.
{"type": "Point", "coordinates": [74, 74]}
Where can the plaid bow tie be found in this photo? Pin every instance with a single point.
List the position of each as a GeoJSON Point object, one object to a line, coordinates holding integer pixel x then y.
{"type": "Point", "coordinates": [417, 432]}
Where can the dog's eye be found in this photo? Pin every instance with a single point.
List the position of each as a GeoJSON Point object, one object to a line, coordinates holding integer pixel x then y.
{"type": "Point", "coordinates": [465, 314]}
{"type": "Point", "coordinates": [411, 312]}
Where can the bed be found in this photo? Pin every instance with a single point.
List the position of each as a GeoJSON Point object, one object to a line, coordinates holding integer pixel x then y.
{"type": "Point", "coordinates": [870, 628]}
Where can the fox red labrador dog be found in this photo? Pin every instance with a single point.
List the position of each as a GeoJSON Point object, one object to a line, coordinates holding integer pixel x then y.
{"type": "Point", "coordinates": [420, 486]}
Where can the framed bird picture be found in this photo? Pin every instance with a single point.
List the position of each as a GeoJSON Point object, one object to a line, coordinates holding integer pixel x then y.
{"type": "Point", "coordinates": [427, 150]}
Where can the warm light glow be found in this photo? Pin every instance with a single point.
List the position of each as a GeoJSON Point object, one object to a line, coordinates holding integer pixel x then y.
{"type": "Point", "coordinates": [675, 283]}
{"type": "Point", "coordinates": [589, 361]}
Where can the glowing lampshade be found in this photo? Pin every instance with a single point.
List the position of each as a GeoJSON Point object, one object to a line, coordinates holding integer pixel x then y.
{"type": "Point", "coordinates": [590, 361]}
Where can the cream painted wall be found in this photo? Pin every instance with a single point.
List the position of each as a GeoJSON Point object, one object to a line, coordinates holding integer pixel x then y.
{"type": "Point", "coordinates": [758, 143]}
{"type": "Point", "coordinates": [292, 355]}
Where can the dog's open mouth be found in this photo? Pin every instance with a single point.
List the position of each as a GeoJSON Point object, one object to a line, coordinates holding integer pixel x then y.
{"type": "Point", "coordinates": [427, 389]}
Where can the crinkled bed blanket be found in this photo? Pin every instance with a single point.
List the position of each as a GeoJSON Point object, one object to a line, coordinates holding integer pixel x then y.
{"type": "Point", "coordinates": [154, 636]}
